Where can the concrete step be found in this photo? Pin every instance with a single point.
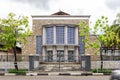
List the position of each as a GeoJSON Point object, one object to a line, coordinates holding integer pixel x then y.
{"type": "Point", "coordinates": [57, 66]}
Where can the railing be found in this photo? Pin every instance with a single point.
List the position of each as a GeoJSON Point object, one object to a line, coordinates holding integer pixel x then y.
{"type": "Point", "coordinates": [5, 66]}
{"type": "Point", "coordinates": [105, 57]}
{"type": "Point", "coordinates": [59, 58]}
{"type": "Point", "coordinates": [10, 57]}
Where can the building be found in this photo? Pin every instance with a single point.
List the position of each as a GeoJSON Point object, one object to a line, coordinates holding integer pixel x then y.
{"type": "Point", "coordinates": [56, 37]}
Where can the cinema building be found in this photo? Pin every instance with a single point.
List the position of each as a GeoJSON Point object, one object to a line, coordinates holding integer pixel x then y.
{"type": "Point", "coordinates": [56, 37]}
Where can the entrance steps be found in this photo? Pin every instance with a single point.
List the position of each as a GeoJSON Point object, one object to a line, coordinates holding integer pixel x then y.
{"type": "Point", "coordinates": [62, 66]}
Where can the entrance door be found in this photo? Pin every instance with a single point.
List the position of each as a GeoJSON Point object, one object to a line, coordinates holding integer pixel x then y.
{"type": "Point", "coordinates": [60, 55]}
{"type": "Point", "coordinates": [49, 56]}
{"type": "Point", "coordinates": [71, 57]}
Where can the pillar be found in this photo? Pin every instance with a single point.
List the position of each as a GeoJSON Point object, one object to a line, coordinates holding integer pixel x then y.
{"type": "Point", "coordinates": [44, 53]}
{"type": "Point", "coordinates": [66, 54]}
{"type": "Point", "coordinates": [54, 35]}
{"type": "Point", "coordinates": [65, 35]}
{"type": "Point", "coordinates": [76, 35]}
{"type": "Point", "coordinates": [76, 54]}
{"type": "Point", "coordinates": [54, 54]}
{"type": "Point", "coordinates": [44, 37]}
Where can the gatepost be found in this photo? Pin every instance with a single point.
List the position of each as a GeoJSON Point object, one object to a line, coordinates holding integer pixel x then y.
{"type": "Point", "coordinates": [32, 60]}
{"type": "Point", "coordinates": [86, 62]}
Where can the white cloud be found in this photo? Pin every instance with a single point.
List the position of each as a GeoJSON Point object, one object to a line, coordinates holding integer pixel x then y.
{"type": "Point", "coordinates": [113, 4]}
{"type": "Point", "coordinates": [95, 8]}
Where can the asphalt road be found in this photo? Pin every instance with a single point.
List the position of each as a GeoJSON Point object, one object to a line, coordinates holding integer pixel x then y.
{"type": "Point", "coordinates": [54, 77]}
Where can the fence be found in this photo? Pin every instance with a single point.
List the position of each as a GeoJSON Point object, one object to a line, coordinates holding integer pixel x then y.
{"type": "Point", "coordinates": [109, 61]}
{"type": "Point", "coordinates": [7, 61]}
{"type": "Point", "coordinates": [10, 57]}
{"type": "Point", "coordinates": [23, 62]}
{"type": "Point", "coordinates": [106, 64]}
{"type": "Point", "coordinates": [5, 66]}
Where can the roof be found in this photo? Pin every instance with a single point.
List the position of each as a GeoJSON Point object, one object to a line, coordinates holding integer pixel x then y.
{"type": "Point", "coordinates": [60, 13]}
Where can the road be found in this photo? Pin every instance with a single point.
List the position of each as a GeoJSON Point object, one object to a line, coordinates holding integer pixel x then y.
{"type": "Point", "coordinates": [54, 77]}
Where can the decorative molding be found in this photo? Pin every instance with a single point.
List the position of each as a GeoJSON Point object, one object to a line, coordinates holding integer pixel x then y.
{"type": "Point", "coordinates": [60, 17]}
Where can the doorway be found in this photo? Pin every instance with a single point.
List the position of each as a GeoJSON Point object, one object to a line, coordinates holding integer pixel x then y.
{"type": "Point", "coordinates": [60, 55]}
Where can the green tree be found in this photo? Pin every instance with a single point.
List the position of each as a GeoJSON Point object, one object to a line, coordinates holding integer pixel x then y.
{"type": "Point", "coordinates": [102, 30]}
{"type": "Point", "coordinates": [14, 30]}
{"type": "Point", "coordinates": [117, 20]}
{"type": "Point", "coordinates": [116, 29]}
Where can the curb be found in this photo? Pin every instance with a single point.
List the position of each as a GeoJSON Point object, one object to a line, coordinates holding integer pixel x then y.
{"type": "Point", "coordinates": [55, 74]}
{"type": "Point", "coordinates": [10, 74]}
{"type": "Point", "coordinates": [97, 74]}
{"type": "Point", "coordinates": [2, 74]}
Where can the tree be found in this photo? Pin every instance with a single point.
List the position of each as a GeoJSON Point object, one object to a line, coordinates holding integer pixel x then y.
{"type": "Point", "coordinates": [14, 30]}
{"type": "Point", "coordinates": [102, 30]}
{"type": "Point", "coordinates": [116, 29]}
{"type": "Point", "coordinates": [117, 20]}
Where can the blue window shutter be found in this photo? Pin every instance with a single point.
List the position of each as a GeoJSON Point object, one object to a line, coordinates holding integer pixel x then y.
{"type": "Point", "coordinates": [39, 44]}
{"type": "Point", "coordinates": [81, 45]}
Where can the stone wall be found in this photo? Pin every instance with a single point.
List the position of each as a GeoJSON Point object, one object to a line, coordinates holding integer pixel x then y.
{"type": "Point", "coordinates": [10, 65]}
{"type": "Point", "coordinates": [94, 65]}
{"type": "Point", "coordinates": [21, 65]}
{"type": "Point", "coordinates": [106, 64]}
{"type": "Point", "coordinates": [30, 47]}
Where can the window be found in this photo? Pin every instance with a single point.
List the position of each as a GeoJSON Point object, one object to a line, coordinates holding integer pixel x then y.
{"type": "Point", "coordinates": [39, 44]}
{"type": "Point", "coordinates": [49, 35]}
{"type": "Point", "coordinates": [60, 34]}
{"type": "Point", "coordinates": [82, 45]}
{"type": "Point", "coordinates": [71, 35]}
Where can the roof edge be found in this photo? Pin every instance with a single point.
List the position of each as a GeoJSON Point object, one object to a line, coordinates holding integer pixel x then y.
{"type": "Point", "coordinates": [34, 16]}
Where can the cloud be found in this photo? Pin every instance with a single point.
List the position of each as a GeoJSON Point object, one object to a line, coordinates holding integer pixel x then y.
{"type": "Point", "coordinates": [41, 4]}
{"type": "Point", "coordinates": [113, 4]}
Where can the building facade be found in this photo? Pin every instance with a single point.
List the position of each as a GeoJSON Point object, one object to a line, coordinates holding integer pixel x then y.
{"type": "Point", "coordinates": [56, 37]}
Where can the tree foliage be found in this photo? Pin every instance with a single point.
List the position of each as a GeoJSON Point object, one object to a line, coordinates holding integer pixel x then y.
{"type": "Point", "coordinates": [12, 31]}
{"type": "Point", "coordinates": [107, 36]}
{"type": "Point", "coordinates": [103, 32]}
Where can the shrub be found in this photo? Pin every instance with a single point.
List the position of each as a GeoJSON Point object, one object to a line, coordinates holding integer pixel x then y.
{"type": "Point", "coordinates": [19, 72]}
{"type": "Point", "coordinates": [105, 71]}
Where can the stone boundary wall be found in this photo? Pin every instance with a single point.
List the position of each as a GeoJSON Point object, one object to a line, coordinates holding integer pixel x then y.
{"type": "Point", "coordinates": [94, 65]}
{"type": "Point", "coordinates": [106, 64]}
{"type": "Point", "coordinates": [21, 65]}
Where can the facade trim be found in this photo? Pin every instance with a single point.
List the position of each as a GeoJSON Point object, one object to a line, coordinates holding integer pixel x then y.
{"type": "Point", "coordinates": [59, 17]}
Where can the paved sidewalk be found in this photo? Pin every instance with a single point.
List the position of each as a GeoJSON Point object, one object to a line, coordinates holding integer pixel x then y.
{"type": "Point", "coordinates": [54, 77]}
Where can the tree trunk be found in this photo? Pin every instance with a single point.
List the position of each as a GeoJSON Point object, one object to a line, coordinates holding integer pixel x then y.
{"type": "Point", "coordinates": [15, 58]}
{"type": "Point", "coordinates": [101, 57]}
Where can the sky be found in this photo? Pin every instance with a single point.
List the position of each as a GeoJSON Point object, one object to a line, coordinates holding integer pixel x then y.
{"type": "Point", "coordinates": [95, 8]}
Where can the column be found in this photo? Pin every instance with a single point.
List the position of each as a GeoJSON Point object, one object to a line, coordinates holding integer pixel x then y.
{"type": "Point", "coordinates": [44, 36]}
{"type": "Point", "coordinates": [54, 35]}
{"type": "Point", "coordinates": [54, 54]}
{"type": "Point", "coordinates": [66, 54]}
{"type": "Point", "coordinates": [65, 35]}
{"type": "Point", "coordinates": [76, 54]}
{"type": "Point", "coordinates": [44, 53]}
{"type": "Point", "coordinates": [76, 35]}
